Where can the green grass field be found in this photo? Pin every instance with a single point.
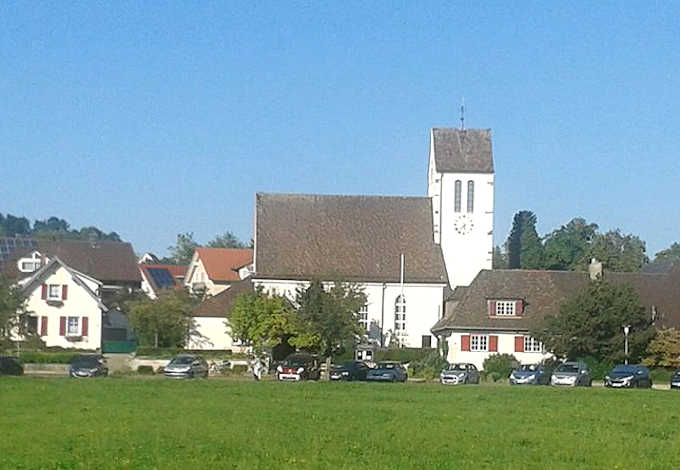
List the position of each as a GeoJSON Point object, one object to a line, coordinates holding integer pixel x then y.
{"type": "Point", "coordinates": [157, 423]}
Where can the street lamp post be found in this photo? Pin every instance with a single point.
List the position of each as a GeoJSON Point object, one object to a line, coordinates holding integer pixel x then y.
{"type": "Point", "coordinates": [626, 330]}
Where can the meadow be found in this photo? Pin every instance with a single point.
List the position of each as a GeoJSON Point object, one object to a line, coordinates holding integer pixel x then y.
{"type": "Point", "coordinates": [58, 423]}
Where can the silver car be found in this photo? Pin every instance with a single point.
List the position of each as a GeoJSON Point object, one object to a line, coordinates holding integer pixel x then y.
{"type": "Point", "coordinates": [572, 374]}
{"type": "Point", "coordinates": [186, 366]}
{"type": "Point", "coordinates": [461, 373]}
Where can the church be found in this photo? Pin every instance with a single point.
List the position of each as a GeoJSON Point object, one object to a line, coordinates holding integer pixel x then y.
{"type": "Point", "coordinates": [408, 253]}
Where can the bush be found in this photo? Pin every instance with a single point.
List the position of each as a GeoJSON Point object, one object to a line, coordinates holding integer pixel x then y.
{"type": "Point", "coordinates": [499, 366]}
{"type": "Point", "coordinates": [145, 370]}
{"type": "Point", "coordinates": [661, 375]}
{"type": "Point", "coordinates": [167, 353]}
{"type": "Point", "coordinates": [238, 369]}
{"type": "Point", "coordinates": [598, 368]}
{"type": "Point", "coordinates": [429, 366]}
{"type": "Point", "coordinates": [403, 354]}
{"type": "Point", "coordinates": [35, 357]}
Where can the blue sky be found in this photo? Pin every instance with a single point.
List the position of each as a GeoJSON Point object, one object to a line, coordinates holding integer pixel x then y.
{"type": "Point", "coordinates": [153, 118]}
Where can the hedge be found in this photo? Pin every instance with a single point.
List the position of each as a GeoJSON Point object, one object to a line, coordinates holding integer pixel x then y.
{"type": "Point", "coordinates": [167, 353]}
{"type": "Point", "coordinates": [36, 357]}
{"type": "Point", "coordinates": [403, 355]}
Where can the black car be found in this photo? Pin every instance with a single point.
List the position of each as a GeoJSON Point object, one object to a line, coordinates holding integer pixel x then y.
{"type": "Point", "coordinates": [387, 371]}
{"type": "Point", "coordinates": [628, 376]}
{"type": "Point", "coordinates": [10, 366]}
{"type": "Point", "coordinates": [675, 380]}
{"type": "Point", "coordinates": [350, 370]}
{"type": "Point", "coordinates": [88, 365]}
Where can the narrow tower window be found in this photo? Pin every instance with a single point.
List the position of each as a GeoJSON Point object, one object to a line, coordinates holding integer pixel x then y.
{"type": "Point", "coordinates": [457, 188]}
{"type": "Point", "coordinates": [471, 196]}
{"type": "Point", "coordinates": [400, 314]}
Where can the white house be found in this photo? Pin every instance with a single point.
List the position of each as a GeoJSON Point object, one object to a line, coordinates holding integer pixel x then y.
{"type": "Point", "coordinates": [65, 306]}
{"type": "Point", "coordinates": [156, 277]}
{"type": "Point", "coordinates": [213, 270]}
{"type": "Point", "coordinates": [497, 312]}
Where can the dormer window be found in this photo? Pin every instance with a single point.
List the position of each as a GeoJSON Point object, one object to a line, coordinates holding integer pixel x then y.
{"type": "Point", "coordinates": [30, 263]}
{"type": "Point", "coordinates": [506, 308]}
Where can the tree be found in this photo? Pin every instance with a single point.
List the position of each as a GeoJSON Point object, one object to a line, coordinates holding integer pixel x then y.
{"type": "Point", "coordinates": [499, 258]}
{"type": "Point", "coordinates": [524, 246]}
{"type": "Point", "coordinates": [664, 259]}
{"type": "Point", "coordinates": [12, 310]}
{"type": "Point", "coordinates": [617, 252]}
{"type": "Point", "coordinates": [227, 240]}
{"type": "Point", "coordinates": [591, 324]}
{"type": "Point", "coordinates": [566, 247]}
{"type": "Point", "coordinates": [664, 349]}
{"type": "Point", "coordinates": [262, 321]}
{"type": "Point", "coordinates": [183, 249]}
{"type": "Point", "coordinates": [328, 316]}
{"type": "Point", "coordinates": [162, 322]}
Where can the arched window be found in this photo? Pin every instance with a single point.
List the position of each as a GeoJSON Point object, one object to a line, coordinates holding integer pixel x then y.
{"type": "Point", "coordinates": [400, 314]}
{"type": "Point", "coordinates": [457, 188]}
{"type": "Point", "coordinates": [471, 196]}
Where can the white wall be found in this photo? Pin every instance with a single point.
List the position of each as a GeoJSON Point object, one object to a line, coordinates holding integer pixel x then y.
{"type": "Point", "coordinates": [213, 333]}
{"type": "Point", "coordinates": [196, 273]}
{"type": "Point", "coordinates": [465, 255]}
{"type": "Point", "coordinates": [77, 304]}
{"type": "Point", "coordinates": [506, 345]}
{"type": "Point", "coordinates": [424, 305]}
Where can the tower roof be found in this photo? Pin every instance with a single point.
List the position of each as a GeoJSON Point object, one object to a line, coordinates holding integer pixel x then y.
{"type": "Point", "coordinates": [462, 150]}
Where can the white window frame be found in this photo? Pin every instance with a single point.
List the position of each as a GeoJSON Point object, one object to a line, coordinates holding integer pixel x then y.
{"type": "Point", "coordinates": [532, 345]}
{"type": "Point", "coordinates": [30, 264]}
{"type": "Point", "coordinates": [362, 315]}
{"type": "Point", "coordinates": [506, 308]}
{"type": "Point", "coordinates": [58, 288]}
{"type": "Point", "coordinates": [400, 314]}
{"type": "Point", "coordinates": [78, 330]}
{"type": "Point", "coordinates": [479, 343]}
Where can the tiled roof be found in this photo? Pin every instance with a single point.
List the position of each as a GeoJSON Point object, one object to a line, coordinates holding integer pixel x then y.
{"type": "Point", "coordinates": [544, 291]}
{"type": "Point", "coordinates": [161, 276]}
{"type": "Point", "coordinates": [220, 304]}
{"type": "Point", "coordinates": [222, 264]}
{"type": "Point", "coordinates": [105, 261]}
{"type": "Point", "coordinates": [349, 238]}
{"type": "Point", "coordinates": [462, 151]}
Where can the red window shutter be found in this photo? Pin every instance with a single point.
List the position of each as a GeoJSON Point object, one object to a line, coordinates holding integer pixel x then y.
{"type": "Point", "coordinates": [492, 307]}
{"type": "Point", "coordinates": [519, 307]}
{"type": "Point", "coordinates": [493, 343]}
{"type": "Point", "coordinates": [519, 343]}
{"type": "Point", "coordinates": [44, 291]}
{"type": "Point", "coordinates": [64, 292]}
{"type": "Point", "coordinates": [85, 326]}
{"type": "Point", "coordinates": [62, 326]}
{"type": "Point", "coordinates": [465, 343]}
{"type": "Point", "coordinates": [43, 326]}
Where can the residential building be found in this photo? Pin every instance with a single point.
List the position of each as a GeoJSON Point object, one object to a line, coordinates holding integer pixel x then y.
{"type": "Point", "coordinates": [213, 270]}
{"type": "Point", "coordinates": [156, 277]}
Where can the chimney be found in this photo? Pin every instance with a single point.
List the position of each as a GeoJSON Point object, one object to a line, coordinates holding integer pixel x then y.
{"type": "Point", "coordinates": [595, 269]}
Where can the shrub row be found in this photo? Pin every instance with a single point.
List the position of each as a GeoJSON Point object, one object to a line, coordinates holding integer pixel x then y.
{"type": "Point", "coordinates": [167, 353]}
{"type": "Point", "coordinates": [403, 354]}
{"type": "Point", "coordinates": [36, 357]}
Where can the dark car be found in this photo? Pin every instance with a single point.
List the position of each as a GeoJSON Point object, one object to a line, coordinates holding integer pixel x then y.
{"type": "Point", "coordinates": [675, 380]}
{"type": "Point", "coordinates": [186, 366]}
{"type": "Point", "coordinates": [387, 371]}
{"type": "Point", "coordinates": [10, 366]}
{"type": "Point", "coordinates": [350, 370]}
{"type": "Point", "coordinates": [628, 376]}
{"type": "Point", "coordinates": [297, 367]}
{"type": "Point", "coordinates": [88, 365]}
{"type": "Point", "coordinates": [572, 374]}
{"type": "Point", "coordinates": [530, 374]}
{"type": "Point", "coordinates": [462, 373]}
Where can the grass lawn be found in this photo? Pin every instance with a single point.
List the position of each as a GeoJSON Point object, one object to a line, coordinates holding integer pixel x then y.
{"type": "Point", "coordinates": [157, 423]}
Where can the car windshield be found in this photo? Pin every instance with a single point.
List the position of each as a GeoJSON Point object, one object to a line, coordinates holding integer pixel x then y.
{"type": "Point", "coordinates": [456, 367]}
{"type": "Point", "coordinates": [624, 369]}
{"type": "Point", "coordinates": [295, 362]}
{"type": "Point", "coordinates": [386, 365]}
{"type": "Point", "coordinates": [528, 367]}
{"type": "Point", "coordinates": [568, 368]}
{"type": "Point", "coordinates": [182, 360]}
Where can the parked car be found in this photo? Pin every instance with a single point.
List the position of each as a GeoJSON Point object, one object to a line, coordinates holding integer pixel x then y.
{"type": "Point", "coordinates": [628, 376]}
{"type": "Point", "coordinates": [459, 374]}
{"type": "Point", "coordinates": [530, 374]}
{"type": "Point", "coordinates": [350, 370]}
{"type": "Point", "coordinates": [186, 366]}
{"type": "Point", "coordinates": [675, 380]}
{"type": "Point", "coordinates": [10, 365]}
{"type": "Point", "coordinates": [88, 365]}
{"type": "Point", "coordinates": [387, 371]}
{"type": "Point", "coordinates": [299, 367]}
{"type": "Point", "coordinates": [572, 374]}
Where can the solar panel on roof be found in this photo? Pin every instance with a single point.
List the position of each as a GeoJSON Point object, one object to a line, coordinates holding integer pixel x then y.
{"type": "Point", "coordinates": [161, 277]}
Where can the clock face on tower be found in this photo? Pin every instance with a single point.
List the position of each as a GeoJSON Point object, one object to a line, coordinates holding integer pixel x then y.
{"type": "Point", "coordinates": [463, 224]}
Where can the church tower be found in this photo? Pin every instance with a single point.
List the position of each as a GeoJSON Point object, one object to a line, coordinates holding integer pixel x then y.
{"type": "Point", "coordinates": [461, 186]}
